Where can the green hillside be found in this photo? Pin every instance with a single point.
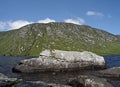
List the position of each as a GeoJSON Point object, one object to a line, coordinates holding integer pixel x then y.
{"type": "Point", "coordinates": [32, 39]}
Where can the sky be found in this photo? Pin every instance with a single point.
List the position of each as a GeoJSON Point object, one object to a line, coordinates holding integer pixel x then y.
{"type": "Point", "coordinates": [101, 14]}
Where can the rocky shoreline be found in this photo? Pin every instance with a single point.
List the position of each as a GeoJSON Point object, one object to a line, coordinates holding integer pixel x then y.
{"type": "Point", "coordinates": [8, 82]}
{"type": "Point", "coordinates": [97, 80]}
{"type": "Point", "coordinates": [58, 61]}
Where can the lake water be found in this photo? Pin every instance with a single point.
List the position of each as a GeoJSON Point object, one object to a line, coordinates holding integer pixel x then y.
{"type": "Point", "coordinates": [112, 61]}
{"type": "Point", "coordinates": [7, 62]}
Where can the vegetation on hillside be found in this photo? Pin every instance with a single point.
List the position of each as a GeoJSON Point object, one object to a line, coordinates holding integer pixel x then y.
{"type": "Point", "coordinates": [32, 39]}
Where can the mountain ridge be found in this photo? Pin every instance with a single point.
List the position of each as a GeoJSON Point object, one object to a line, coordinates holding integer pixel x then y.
{"type": "Point", "coordinates": [33, 38]}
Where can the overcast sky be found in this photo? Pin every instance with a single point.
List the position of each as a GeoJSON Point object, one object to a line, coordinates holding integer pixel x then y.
{"type": "Point", "coordinates": [102, 14]}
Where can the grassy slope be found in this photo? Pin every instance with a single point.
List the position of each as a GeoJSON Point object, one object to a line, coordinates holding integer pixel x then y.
{"type": "Point", "coordinates": [32, 39]}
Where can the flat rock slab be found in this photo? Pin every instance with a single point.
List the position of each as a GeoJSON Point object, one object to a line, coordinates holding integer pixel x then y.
{"type": "Point", "coordinates": [58, 60]}
{"type": "Point", "coordinates": [111, 72]}
{"type": "Point", "coordinates": [7, 82]}
{"type": "Point", "coordinates": [38, 84]}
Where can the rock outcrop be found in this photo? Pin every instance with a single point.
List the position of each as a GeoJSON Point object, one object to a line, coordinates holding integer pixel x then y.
{"type": "Point", "coordinates": [110, 73]}
{"type": "Point", "coordinates": [89, 81]}
{"type": "Point", "coordinates": [57, 60]}
{"type": "Point", "coordinates": [38, 84]}
{"type": "Point", "coordinates": [14, 82]}
{"type": "Point", "coordinates": [7, 82]}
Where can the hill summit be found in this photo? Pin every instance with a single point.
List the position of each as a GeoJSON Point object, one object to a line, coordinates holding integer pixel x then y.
{"type": "Point", "coordinates": [34, 38]}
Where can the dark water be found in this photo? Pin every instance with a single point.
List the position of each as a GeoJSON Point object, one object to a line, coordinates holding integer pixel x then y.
{"type": "Point", "coordinates": [7, 62]}
{"type": "Point", "coordinates": [112, 61]}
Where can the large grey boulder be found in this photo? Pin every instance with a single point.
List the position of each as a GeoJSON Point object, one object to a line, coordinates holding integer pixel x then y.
{"type": "Point", "coordinates": [89, 81]}
{"type": "Point", "coordinates": [58, 60]}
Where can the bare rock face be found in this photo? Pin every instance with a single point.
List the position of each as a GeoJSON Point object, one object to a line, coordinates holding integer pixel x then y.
{"type": "Point", "coordinates": [58, 60]}
{"type": "Point", "coordinates": [89, 81]}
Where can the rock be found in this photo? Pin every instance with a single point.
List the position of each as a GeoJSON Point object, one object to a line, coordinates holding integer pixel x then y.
{"type": "Point", "coordinates": [38, 84]}
{"type": "Point", "coordinates": [89, 81]}
{"type": "Point", "coordinates": [14, 82]}
{"type": "Point", "coordinates": [110, 73]}
{"type": "Point", "coordinates": [57, 60]}
{"type": "Point", "coordinates": [7, 82]}
{"type": "Point", "coordinates": [75, 83]}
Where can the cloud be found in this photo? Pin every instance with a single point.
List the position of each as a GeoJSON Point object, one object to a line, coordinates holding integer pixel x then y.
{"type": "Point", "coordinates": [2, 25]}
{"type": "Point", "coordinates": [90, 13]}
{"type": "Point", "coordinates": [10, 25]}
{"type": "Point", "coordinates": [93, 13]}
{"type": "Point", "coordinates": [47, 20]}
{"type": "Point", "coordinates": [78, 21]}
{"type": "Point", "coordinates": [17, 24]}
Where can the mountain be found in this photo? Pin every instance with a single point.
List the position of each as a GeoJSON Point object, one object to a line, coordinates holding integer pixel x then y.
{"type": "Point", "coordinates": [118, 36]}
{"type": "Point", "coordinates": [34, 38]}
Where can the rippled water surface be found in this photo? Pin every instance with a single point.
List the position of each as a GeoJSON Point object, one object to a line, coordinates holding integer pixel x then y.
{"type": "Point", "coordinates": [112, 61]}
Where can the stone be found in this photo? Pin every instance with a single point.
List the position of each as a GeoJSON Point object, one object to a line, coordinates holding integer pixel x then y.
{"type": "Point", "coordinates": [38, 84]}
{"type": "Point", "coordinates": [7, 82]}
{"type": "Point", "coordinates": [113, 72]}
{"type": "Point", "coordinates": [89, 81]}
{"type": "Point", "coordinates": [58, 60]}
